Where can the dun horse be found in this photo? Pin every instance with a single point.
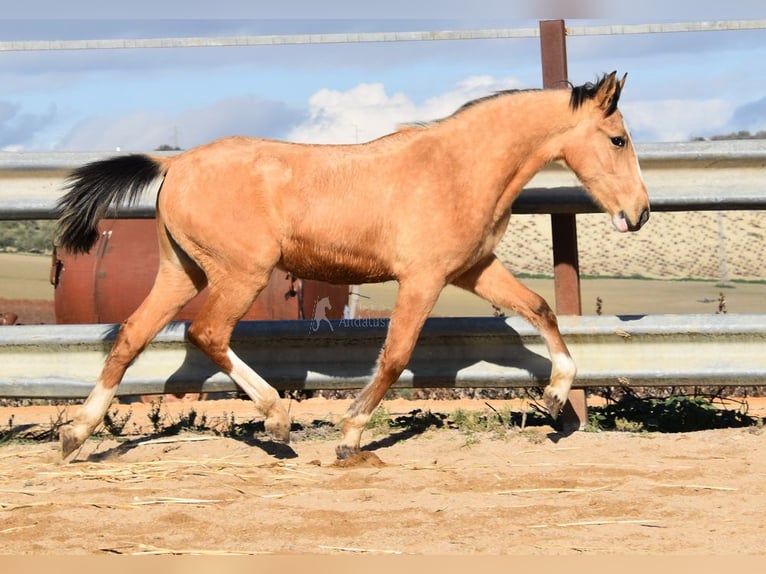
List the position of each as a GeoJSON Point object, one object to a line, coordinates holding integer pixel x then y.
{"type": "Point", "coordinates": [424, 206]}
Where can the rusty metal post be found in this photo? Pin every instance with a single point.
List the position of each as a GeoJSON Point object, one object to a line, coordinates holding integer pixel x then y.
{"type": "Point", "coordinates": [566, 265]}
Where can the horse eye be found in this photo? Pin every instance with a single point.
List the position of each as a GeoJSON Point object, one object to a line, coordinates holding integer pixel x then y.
{"type": "Point", "coordinates": [618, 141]}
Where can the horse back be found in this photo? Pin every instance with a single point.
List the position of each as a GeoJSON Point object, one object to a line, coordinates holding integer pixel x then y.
{"type": "Point", "coordinates": [338, 213]}
{"type": "Point", "coordinates": [299, 201]}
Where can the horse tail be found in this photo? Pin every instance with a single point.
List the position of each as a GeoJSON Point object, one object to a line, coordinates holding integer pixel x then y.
{"type": "Point", "coordinates": [95, 187]}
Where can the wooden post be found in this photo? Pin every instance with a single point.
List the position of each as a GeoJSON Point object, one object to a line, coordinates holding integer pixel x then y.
{"type": "Point", "coordinates": [566, 265]}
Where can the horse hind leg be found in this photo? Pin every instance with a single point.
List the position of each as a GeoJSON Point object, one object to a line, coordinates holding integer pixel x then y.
{"type": "Point", "coordinates": [211, 332]}
{"type": "Point", "coordinates": [178, 281]}
{"type": "Point", "coordinates": [493, 282]}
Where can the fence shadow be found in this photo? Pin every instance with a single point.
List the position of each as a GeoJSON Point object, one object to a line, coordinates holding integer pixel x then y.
{"type": "Point", "coordinates": [450, 353]}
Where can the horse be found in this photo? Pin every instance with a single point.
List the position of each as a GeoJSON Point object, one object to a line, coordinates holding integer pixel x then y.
{"type": "Point", "coordinates": [320, 314]}
{"type": "Point", "coordinates": [424, 205]}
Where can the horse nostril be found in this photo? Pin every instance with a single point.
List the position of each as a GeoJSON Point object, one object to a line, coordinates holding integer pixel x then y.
{"type": "Point", "coordinates": [644, 217]}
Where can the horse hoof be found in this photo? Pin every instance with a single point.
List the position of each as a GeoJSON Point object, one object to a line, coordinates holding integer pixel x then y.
{"type": "Point", "coordinates": [343, 451]}
{"type": "Point", "coordinates": [70, 441]}
{"type": "Point", "coordinates": [553, 402]}
{"type": "Point", "coordinates": [278, 431]}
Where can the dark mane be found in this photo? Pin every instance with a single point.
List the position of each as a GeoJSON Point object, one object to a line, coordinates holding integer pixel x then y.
{"type": "Point", "coordinates": [492, 96]}
{"type": "Point", "coordinates": [579, 94]}
{"type": "Point", "coordinates": [589, 90]}
{"type": "Point", "coordinates": [464, 107]}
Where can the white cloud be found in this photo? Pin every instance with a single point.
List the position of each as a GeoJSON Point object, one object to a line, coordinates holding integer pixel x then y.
{"type": "Point", "coordinates": [361, 113]}
{"type": "Point", "coordinates": [146, 130]}
{"type": "Point", "coordinates": [675, 120]}
{"type": "Point", "coordinates": [750, 116]}
{"type": "Point", "coordinates": [367, 111]}
{"type": "Point", "coordinates": [140, 131]}
{"type": "Point", "coordinates": [18, 127]}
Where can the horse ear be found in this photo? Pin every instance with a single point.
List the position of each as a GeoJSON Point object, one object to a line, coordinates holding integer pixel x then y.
{"type": "Point", "coordinates": [609, 93]}
{"type": "Point", "coordinates": [621, 83]}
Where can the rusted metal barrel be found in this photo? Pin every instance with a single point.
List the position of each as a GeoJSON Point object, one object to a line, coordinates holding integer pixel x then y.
{"type": "Point", "coordinates": [107, 284]}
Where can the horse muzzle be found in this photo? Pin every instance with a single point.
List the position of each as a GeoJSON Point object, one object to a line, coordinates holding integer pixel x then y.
{"type": "Point", "coordinates": [623, 224]}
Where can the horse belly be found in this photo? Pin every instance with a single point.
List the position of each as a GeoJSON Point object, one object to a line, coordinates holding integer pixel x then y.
{"type": "Point", "coordinates": [333, 264]}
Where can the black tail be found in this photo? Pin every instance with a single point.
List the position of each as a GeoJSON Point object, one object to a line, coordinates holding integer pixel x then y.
{"type": "Point", "coordinates": [95, 187]}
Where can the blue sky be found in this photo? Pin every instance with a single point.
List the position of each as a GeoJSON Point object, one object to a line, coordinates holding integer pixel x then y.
{"type": "Point", "coordinates": [679, 85]}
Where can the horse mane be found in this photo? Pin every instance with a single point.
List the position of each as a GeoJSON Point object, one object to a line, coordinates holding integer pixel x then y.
{"type": "Point", "coordinates": [579, 95]}
{"type": "Point", "coordinates": [469, 104]}
{"type": "Point", "coordinates": [589, 90]}
{"type": "Point", "coordinates": [491, 96]}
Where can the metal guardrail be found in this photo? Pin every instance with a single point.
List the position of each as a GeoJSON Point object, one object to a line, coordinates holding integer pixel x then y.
{"type": "Point", "coordinates": [64, 361]}
{"type": "Point", "coordinates": [696, 176]}
{"type": "Point", "coordinates": [364, 37]}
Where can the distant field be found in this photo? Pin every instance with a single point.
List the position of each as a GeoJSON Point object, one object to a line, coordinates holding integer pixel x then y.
{"type": "Point", "coordinates": [26, 277]}
{"type": "Point", "coordinates": [619, 297]}
{"type": "Point", "coordinates": [654, 265]}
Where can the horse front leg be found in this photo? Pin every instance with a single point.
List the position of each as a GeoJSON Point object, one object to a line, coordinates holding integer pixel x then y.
{"type": "Point", "coordinates": [493, 282]}
{"type": "Point", "coordinates": [414, 302]}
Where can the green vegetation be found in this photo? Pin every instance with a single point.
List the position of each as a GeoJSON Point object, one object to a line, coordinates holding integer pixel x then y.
{"type": "Point", "coordinates": [740, 135]}
{"type": "Point", "coordinates": [669, 415]}
{"type": "Point", "coordinates": [27, 236]}
{"type": "Point", "coordinates": [115, 423]}
{"type": "Point", "coordinates": [630, 413]}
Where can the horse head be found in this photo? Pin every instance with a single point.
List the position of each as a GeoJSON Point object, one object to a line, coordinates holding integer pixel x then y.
{"type": "Point", "coordinates": [600, 151]}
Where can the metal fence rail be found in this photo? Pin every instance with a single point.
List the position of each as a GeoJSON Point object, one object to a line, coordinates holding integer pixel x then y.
{"type": "Point", "coordinates": [367, 37]}
{"type": "Point", "coordinates": [698, 176]}
{"type": "Point", "coordinates": [64, 361]}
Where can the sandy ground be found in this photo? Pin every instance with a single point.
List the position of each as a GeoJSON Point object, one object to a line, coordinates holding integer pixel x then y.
{"type": "Point", "coordinates": [25, 276]}
{"type": "Point", "coordinates": [440, 492]}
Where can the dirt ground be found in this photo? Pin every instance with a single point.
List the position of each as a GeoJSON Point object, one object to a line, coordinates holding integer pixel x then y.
{"type": "Point", "coordinates": [438, 492]}
{"type": "Point", "coordinates": [441, 491]}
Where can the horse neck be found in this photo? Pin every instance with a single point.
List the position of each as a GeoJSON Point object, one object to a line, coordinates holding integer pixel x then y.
{"type": "Point", "coordinates": [505, 140]}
